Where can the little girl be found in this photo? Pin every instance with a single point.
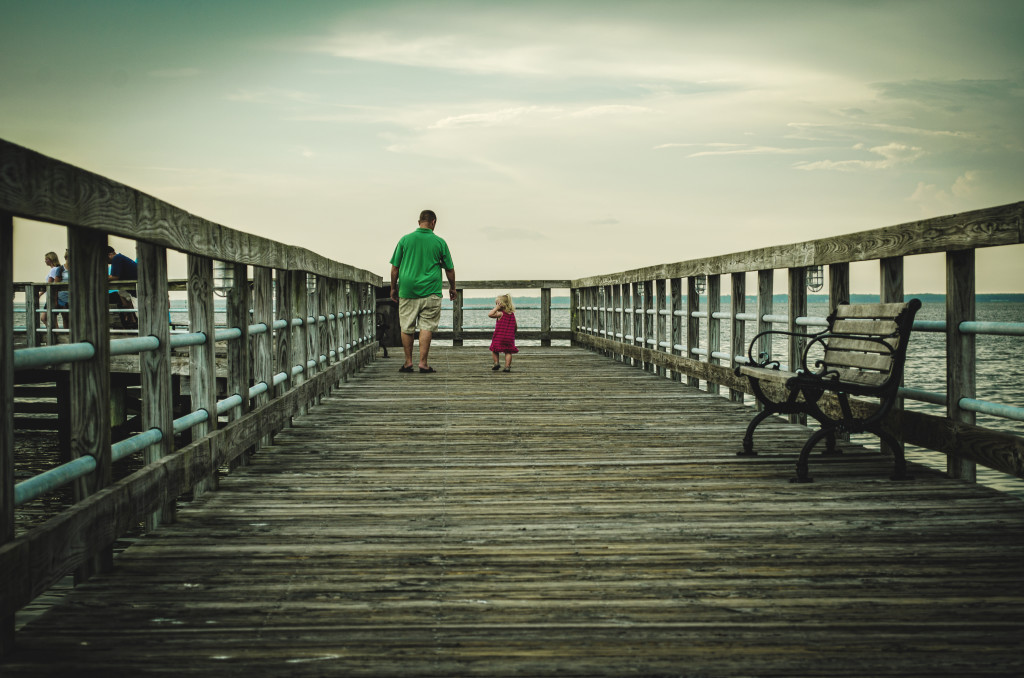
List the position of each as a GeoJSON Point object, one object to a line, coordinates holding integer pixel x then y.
{"type": "Point", "coordinates": [504, 339]}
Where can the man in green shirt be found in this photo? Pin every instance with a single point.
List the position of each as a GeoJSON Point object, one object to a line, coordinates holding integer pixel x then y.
{"type": "Point", "coordinates": [416, 286]}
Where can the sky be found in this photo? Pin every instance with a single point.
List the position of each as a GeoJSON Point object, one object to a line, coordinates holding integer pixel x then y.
{"type": "Point", "coordinates": [554, 139]}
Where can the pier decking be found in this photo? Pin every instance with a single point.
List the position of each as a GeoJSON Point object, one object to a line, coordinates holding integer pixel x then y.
{"type": "Point", "coordinates": [574, 517]}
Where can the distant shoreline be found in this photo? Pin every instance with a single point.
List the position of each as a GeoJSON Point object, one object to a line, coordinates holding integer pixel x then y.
{"type": "Point", "coordinates": [927, 298]}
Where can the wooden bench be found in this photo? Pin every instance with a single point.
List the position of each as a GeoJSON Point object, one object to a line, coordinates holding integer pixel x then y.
{"type": "Point", "coordinates": [862, 354]}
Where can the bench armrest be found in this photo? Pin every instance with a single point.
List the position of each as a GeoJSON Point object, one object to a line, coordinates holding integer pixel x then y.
{"type": "Point", "coordinates": [762, 360]}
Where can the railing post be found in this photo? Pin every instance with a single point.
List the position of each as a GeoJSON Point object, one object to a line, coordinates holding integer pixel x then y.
{"type": "Point", "coordinates": [90, 381]}
{"type": "Point", "coordinates": [51, 319]}
{"type": "Point", "coordinates": [239, 366]}
{"type": "Point", "coordinates": [155, 366]}
{"type": "Point", "coordinates": [457, 315]}
{"type": "Point", "coordinates": [545, 316]}
{"type": "Point", "coordinates": [659, 319]}
{"type": "Point", "coordinates": [638, 338]}
{"type": "Point", "coordinates": [7, 530]}
{"type": "Point", "coordinates": [765, 306]}
{"type": "Point", "coordinates": [312, 326]}
{"type": "Point", "coordinates": [890, 291]}
{"type": "Point", "coordinates": [676, 339]}
{"type": "Point", "coordinates": [838, 285]}
{"type": "Point", "coordinates": [202, 368]}
{"type": "Point", "coordinates": [616, 319]}
{"type": "Point", "coordinates": [283, 338]}
{"type": "Point", "coordinates": [329, 306]}
{"type": "Point", "coordinates": [714, 325]}
{"type": "Point", "coordinates": [738, 334]}
{"type": "Point", "coordinates": [573, 314]}
{"type": "Point", "coordinates": [31, 316]}
{"type": "Point", "coordinates": [692, 326]}
{"type": "Point", "coordinates": [960, 350]}
{"type": "Point", "coordinates": [263, 344]}
{"type": "Point", "coordinates": [650, 322]}
{"type": "Point", "coordinates": [645, 319]}
{"type": "Point", "coordinates": [299, 353]}
{"type": "Point", "coordinates": [347, 340]}
{"type": "Point", "coordinates": [797, 309]}
{"type": "Point", "coordinates": [839, 293]}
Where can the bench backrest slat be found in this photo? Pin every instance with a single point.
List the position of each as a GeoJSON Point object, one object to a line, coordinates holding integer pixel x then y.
{"type": "Point", "coordinates": [862, 345]}
{"type": "Point", "coordinates": [890, 310]}
{"type": "Point", "coordinates": [865, 361]}
{"type": "Point", "coordinates": [870, 327]}
{"type": "Point", "coordinates": [853, 376]}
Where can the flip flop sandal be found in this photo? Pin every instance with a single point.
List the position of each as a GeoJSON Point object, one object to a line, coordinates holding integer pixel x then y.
{"type": "Point", "coordinates": [405, 369]}
{"type": "Point", "coordinates": [429, 370]}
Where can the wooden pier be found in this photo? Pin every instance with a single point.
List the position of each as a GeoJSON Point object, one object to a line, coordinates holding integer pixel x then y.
{"type": "Point", "coordinates": [576, 516]}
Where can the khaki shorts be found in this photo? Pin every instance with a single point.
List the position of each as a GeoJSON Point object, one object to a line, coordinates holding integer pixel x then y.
{"type": "Point", "coordinates": [422, 314]}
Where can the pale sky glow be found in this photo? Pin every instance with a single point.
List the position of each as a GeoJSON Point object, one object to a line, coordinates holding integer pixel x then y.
{"type": "Point", "coordinates": [554, 139]}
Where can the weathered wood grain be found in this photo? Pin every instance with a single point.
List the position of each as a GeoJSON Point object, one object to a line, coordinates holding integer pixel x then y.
{"type": "Point", "coordinates": [37, 187]}
{"type": "Point", "coordinates": [7, 529]}
{"type": "Point", "coordinates": [155, 366]}
{"type": "Point", "coordinates": [990, 227]}
{"type": "Point", "coordinates": [574, 517]}
{"type": "Point", "coordinates": [961, 352]}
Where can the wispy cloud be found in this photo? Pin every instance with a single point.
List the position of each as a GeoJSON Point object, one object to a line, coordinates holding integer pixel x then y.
{"type": "Point", "coordinates": [889, 156]}
{"type": "Point", "coordinates": [608, 109]}
{"type": "Point", "coordinates": [721, 148]}
{"type": "Point", "coordinates": [496, 117]}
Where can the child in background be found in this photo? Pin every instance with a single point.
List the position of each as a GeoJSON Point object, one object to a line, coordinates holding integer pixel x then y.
{"type": "Point", "coordinates": [504, 339]}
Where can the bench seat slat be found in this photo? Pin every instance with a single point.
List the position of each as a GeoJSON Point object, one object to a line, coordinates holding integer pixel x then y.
{"type": "Point", "coordinates": [765, 374]}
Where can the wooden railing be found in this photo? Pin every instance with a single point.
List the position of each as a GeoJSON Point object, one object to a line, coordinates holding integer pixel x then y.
{"type": "Point", "coordinates": [643, 316]}
{"type": "Point", "coordinates": [309, 327]}
{"type": "Point", "coordinates": [545, 333]}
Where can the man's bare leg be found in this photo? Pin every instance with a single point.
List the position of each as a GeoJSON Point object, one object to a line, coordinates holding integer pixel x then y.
{"type": "Point", "coordinates": [407, 341]}
{"type": "Point", "coordinates": [425, 337]}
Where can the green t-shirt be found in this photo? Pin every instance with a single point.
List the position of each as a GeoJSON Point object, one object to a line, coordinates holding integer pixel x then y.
{"type": "Point", "coordinates": [420, 256]}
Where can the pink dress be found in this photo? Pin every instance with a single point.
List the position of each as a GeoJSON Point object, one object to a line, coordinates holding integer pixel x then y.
{"type": "Point", "coordinates": [504, 339]}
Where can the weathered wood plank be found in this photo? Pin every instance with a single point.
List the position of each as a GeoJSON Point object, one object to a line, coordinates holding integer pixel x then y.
{"type": "Point", "coordinates": [155, 366]}
{"type": "Point", "coordinates": [7, 528]}
{"type": "Point", "coordinates": [613, 532]}
{"type": "Point", "coordinates": [990, 227]}
{"type": "Point", "coordinates": [37, 187]}
{"type": "Point", "coordinates": [960, 347]}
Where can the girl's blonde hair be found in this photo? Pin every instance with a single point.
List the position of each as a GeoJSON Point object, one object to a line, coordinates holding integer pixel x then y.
{"type": "Point", "coordinates": [51, 257]}
{"type": "Point", "coordinates": [506, 303]}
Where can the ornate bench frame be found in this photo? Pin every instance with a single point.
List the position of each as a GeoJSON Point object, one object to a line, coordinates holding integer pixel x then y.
{"type": "Point", "coordinates": [865, 350]}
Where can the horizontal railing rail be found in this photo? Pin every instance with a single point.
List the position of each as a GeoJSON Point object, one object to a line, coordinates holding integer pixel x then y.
{"type": "Point", "coordinates": [653, 317]}
{"type": "Point", "coordinates": [296, 324]}
{"type": "Point", "coordinates": [544, 332]}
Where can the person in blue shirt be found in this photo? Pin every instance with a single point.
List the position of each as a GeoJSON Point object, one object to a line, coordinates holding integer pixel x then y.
{"type": "Point", "coordinates": [123, 268]}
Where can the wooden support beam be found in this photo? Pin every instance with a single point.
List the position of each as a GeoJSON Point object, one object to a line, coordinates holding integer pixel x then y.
{"type": "Point", "coordinates": [202, 375]}
{"type": "Point", "coordinates": [155, 366]}
{"type": "Point", "coordinates": [7, 416]}
{"type": "Point", "coordinates": [738, 334]}
{"type": "Point", "coordinates": [714, 324]}
{"type": "Point", "coordinates": [90, 380]}
{"type": "Point", "coordinates": [960, 350]}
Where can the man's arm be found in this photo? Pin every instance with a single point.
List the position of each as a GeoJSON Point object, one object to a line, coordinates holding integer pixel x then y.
{"type": "Point", "coordinates": [394, 283]}
{"type": "Point", "coordinates": [450, 272]}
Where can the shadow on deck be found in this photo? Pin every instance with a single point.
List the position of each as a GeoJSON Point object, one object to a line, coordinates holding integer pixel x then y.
{"type": "Point", "coordinates": [574, 517]}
